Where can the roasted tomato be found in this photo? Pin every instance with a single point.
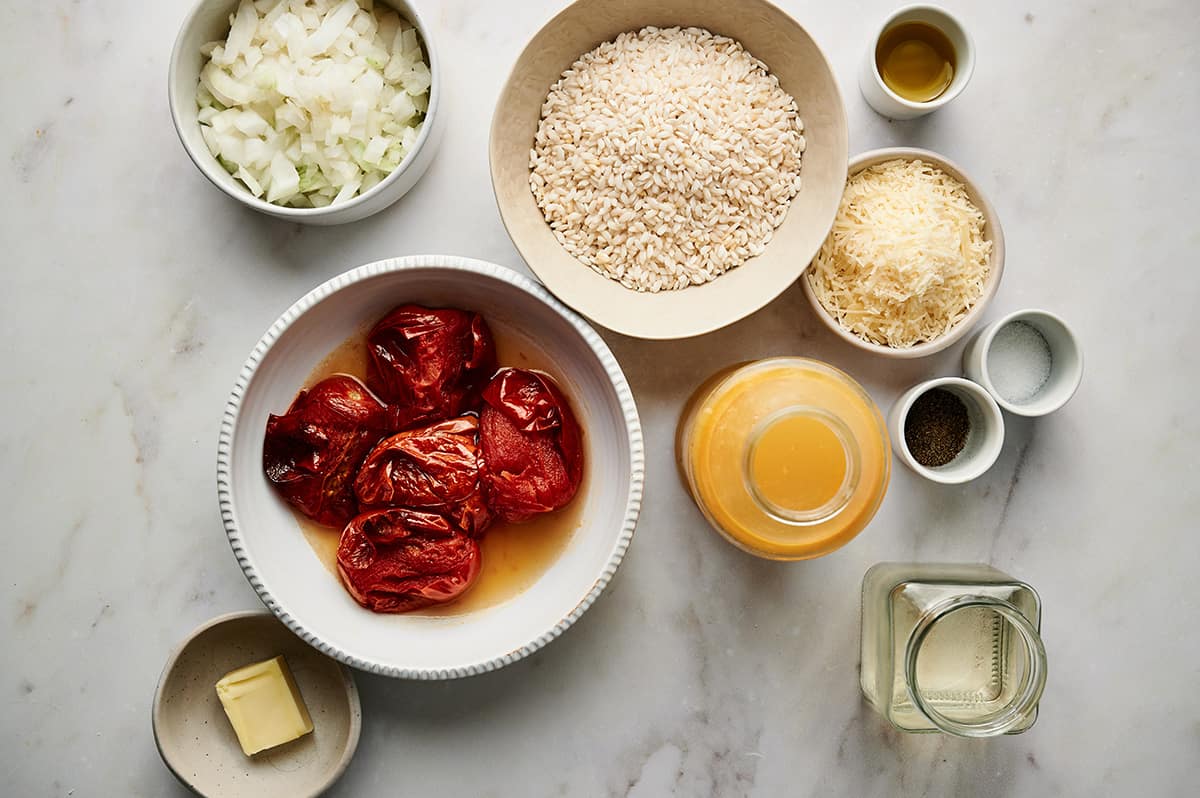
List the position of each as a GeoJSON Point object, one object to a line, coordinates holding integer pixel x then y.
{"type": "Point", "coordinates": [434, 468]}
{"type": "Point", "coordinates": [430, 363]}
{"type": "Point", "coordinates": [396, 560]}
{"type": "Point", "coordinates": [532, 449]}
{"type": "Point", "coordinates": [312, 452]}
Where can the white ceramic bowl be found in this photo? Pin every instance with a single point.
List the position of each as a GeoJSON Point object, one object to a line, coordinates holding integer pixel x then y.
{"type": "Point", "coordinates": [1066, 362]}
{"type": "Point", "coordinates": [886, 102]}
{"type": "Point", "coordinates": [209, 21]}
{"type": "Point", "coordinates": [284, 570]}
{"type": "Point", "coordinates": [984, 441]}
{"type": "Point", "coordinates": [991, 232]}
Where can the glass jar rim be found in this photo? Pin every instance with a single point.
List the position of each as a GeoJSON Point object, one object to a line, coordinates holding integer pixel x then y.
{"type": "Point", "coordinates": [1022, 703]}
{"type": "Point", "coordinates": [838, 500]}
{"type": "Point", "coordinates": [705, 409]}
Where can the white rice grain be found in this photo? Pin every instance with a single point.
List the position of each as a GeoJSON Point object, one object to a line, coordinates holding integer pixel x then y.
{"type": "Point", "coordinates": [666, 157]}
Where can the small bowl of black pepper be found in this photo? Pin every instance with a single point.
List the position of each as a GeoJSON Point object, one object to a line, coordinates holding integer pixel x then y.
{"type": "Point", "coordinates": [948, 430]}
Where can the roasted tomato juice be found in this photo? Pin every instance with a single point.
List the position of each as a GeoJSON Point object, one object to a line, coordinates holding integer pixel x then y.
{"type": "Point", "coordinates": [513, 556]}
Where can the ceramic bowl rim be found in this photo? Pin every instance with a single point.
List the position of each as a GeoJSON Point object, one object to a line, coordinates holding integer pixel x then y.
{"type": "Point", "coordinates": [945, 97]}
{"type": "Point", "coordinates": [985, 380]}
{"type": "Point", "coordinates": [157, 712]}
{"type": "Point", "coordinates": [983, 461]}
{"type": "Point", "coordinates": [207, 163]}
{"type": "Point", "coordinates": [995, 235]}
{"type": "Point", "coordinates": [606, 360]}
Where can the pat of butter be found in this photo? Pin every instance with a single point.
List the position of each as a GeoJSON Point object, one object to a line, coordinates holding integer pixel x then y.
{"type": "Point", "coordinates": [264, 705]}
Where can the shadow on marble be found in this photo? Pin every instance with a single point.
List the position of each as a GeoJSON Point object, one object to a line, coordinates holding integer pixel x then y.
{"type": "Point", "coordinates": [665, 370]}
{"type": "Point", "coordinates": [922, 764]}
{"type": "Point", "coordinates": [317, 252]}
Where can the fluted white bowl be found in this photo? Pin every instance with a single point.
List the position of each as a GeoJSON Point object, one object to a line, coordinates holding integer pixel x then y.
{"type": "Point", "coordinates": [281, 565]}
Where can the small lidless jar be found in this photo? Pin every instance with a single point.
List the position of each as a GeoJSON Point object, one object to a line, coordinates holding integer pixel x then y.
{"type": "Point", "coordinates": [787, 457]}
{"type": "Point", "coordinates": [952, 648]}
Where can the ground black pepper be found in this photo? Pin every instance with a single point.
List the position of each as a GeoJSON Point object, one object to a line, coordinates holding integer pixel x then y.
{"type": "Point", "coordinates": [936, 427]}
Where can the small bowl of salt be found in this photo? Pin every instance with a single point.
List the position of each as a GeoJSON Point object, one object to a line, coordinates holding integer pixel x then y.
{"type": "Point", "coordinates": [1029, 361]}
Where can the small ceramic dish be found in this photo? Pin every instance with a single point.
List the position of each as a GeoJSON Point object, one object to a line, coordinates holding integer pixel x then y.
{"type": "Point", "coordinates": [991, 231]}
{"type": "Point", "coordinates": [984, 440]}
{"type": "Point", "coordinates": [769, 35]}
{"type": "Point", "coordinates": [1052, 358]}
{"type": "Point", "coordinates": [289, 575]}
{"type": "Point", "coordinates": [197, 742]}
{"type": "Point", "coordinates": [209, 21]}
{"type": "Point", "coordinates": [886, 102]}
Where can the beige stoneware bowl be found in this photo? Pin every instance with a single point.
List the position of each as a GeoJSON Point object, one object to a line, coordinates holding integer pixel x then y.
{"type": "Point", "coordinates": [768, 34]}
{"type": "Point", "coordinates": [991, 231]}
{"type": "Point", "coordinates": [196, 740]}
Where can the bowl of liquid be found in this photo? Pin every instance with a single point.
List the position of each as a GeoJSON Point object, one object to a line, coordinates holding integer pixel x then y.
{"type": "Point", "coordinates": [787, 458]}
{"type": "Point", "coordinates": [920, 59]}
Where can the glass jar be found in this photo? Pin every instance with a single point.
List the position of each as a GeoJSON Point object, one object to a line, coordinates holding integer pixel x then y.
{"type": "Point", "coordinates": [788, 458]}
{"type": "Point", "coordinates": [952, 648]}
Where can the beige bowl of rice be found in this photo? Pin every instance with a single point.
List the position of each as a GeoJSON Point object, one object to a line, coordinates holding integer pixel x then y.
{"type": "Point", "coordinates": [740, 214]}
{"type": "Point", "coordinates": [915, 254]}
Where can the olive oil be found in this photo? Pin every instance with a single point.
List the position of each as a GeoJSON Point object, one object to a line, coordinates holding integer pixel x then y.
{"type": "Point", "coordinates": [916, 61]}
{"type": "Point", "coordinates": [514, 556]}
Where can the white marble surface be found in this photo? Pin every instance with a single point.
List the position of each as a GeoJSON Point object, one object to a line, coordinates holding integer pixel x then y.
{"type": "Point", "coordinates": [133, 291]}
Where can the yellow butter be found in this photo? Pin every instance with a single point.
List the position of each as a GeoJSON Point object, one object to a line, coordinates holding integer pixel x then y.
{"type": "Point", "coordinates": [264, 705]}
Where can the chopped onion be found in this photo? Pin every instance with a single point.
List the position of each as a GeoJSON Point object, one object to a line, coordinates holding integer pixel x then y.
{"type": "Point", "coordinates": [311, 102]}
{"type": "Point", "coordinates": [331, 28]}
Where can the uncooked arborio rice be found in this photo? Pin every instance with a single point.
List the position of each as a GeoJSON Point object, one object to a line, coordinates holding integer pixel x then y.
{"type": "Point", "coordinates": [666, 157]}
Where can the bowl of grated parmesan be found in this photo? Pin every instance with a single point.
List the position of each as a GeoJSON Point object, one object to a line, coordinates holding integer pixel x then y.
{"type": "Point", "coordinates": [915, 255]}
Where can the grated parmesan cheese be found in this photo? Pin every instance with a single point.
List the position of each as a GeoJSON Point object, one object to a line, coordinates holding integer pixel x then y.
{"type": "Point", "coordinates": [906, 259]}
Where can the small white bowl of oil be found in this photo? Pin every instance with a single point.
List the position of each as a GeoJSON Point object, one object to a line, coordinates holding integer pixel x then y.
{"type": "Point", "coordinates": [1029, 361]}
{"type": "Point", "coordinates": [920, 59]}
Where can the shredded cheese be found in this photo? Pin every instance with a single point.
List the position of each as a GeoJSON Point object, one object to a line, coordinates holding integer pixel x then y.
{"type": "Point", "coordinates": [906, 259]}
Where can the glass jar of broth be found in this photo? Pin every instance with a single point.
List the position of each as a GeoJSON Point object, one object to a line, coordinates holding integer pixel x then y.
{"type": "Point", "coordinates": [952, 648]}
{"type": "Point", "coordinates": [788, 458]}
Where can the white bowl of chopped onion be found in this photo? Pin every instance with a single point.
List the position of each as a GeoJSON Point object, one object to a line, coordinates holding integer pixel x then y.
{"type": "Point", "coordinates": [915, 255]}
{"type": "Point", "coordinates": [314, 111]}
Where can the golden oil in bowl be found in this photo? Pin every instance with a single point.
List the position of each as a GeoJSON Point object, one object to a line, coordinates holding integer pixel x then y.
{"type": "Point", "coordinates": [916, 61]}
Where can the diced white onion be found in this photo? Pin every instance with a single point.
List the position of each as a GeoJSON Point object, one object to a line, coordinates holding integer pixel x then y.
{"type": "Point", "coordinates": [250, 182]}
{"type": "Point", "coordinates": [376, 147]}
{"type": "Point", "coordinates": [241, 29]}
{"type": "Point", "coordinates": [311, 102]}
{"type": "Point", "coordinates": [285, 181]}
{"type": "Point", "coordinates": [331, 27]}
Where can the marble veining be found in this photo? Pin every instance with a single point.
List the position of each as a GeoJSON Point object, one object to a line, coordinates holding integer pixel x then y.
{"type": "Point", "coordinates": [134, 290]}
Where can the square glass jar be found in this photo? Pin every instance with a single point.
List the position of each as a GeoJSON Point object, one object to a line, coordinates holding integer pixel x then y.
{"type": "Point", "coordinates": [954, 648]}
